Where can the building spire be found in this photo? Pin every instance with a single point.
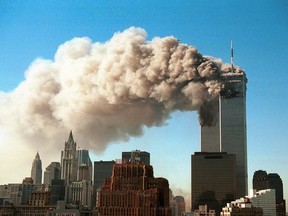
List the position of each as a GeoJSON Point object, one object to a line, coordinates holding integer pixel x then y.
{"type": "Point", "coordinates": [70, 139]}
{"type": "Point", "coordinates": [37, 156]}
{"type": "Point", "coordinates": [231, 57]}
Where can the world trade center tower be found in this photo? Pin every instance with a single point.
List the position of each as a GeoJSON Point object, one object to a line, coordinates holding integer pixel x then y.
{"type": "Point", "coordinates": [229, 134]}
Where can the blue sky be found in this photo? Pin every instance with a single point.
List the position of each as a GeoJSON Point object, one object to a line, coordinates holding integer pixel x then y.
{"type": "Point", "coordinates": [260, 36]}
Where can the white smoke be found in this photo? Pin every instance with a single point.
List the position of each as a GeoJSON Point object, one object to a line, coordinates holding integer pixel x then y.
{"type": "Point", "coordinates": [108, 91]}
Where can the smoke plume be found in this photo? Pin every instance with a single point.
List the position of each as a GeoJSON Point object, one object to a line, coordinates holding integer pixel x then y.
{"type": "Point", "coordinates": [109, 91]}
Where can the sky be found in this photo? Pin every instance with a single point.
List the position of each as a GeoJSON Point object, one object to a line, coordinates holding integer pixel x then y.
{"type": "Point", "coordinates": [37, 38]}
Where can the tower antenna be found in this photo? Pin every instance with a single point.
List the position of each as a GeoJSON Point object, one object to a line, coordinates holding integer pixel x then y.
{"type": "Point", "coordinates": [231, 57]}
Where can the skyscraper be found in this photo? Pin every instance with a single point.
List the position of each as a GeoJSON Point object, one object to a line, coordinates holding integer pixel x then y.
{"type": "Point", "coordinates": [260, 180]}
{"type": "Point", "coordinates": [36, 171]}
{"type": "Point", "coordinates": [52, 172]}
{"type": "Point", "coordinates": [228, 133]}
{"type": "Point", "coordinates": [264, 181]}
{"type": "Point", "coordinates": [275, 182]}
{"type": "Point", "coordinates": [84, 165]}
{"type": "Point", "coordinates": [102, 170]}
{"type": "Point", "coordinates": [69, 160]}
{"type": "Point", "coordinates": [213, 179]}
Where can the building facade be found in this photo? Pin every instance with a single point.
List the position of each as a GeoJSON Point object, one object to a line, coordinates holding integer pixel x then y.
{"type": "Point", "coordinates": [265, 199]}
{"type": "Point", "coordinates": [53, 171]}
{"type": "Point", "coordinates": [102, 171]}
{"type": "Point", "coordinates": [227, 131]}
{"type": "Point", "coordinates": [80, 193]}
{"type": "Point", "coordinates": [241, 207]}
{"type": "Point", "coordinates": [260, 180]}
{"type": "Point", "coordinates": [204, 211]}
{"type": "Point", "coordinates": [143, 156]}
{"type": "Point", "coordinates": [263, 181]}
{"type": "Point", "coordinates": [133, 190]}
{"type": "Point", "coordinates": [178, 205]}
{"type": "Point", "coordinates": [84, 165]}
{"type": "Point", "coordinates": [213, 179]}
{"type": "Point", "coordinates": [36, 171]}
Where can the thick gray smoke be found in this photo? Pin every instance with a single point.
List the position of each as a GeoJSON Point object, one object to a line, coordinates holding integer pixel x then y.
{"type": "Point", "coordinates": [108, 91]}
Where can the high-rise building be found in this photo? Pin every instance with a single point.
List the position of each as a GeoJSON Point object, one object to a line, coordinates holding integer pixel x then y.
{"type": "Point", "coordinates": [263, 181]}
{"type": "Point", "coordinates": [84, 165]}
{"type": "Point", "coordinates": [275, 182]}
{"type": "Point", "coordinates": [266, 200]}
{"type": "Point", "coordinates": [52, 172]}
{"type": "Point", "coordinates": [213, 179]}
{"type": "Point", "coordinates": [143, 156]}
{"type": "Point", "coordinates": [57, 191]}
{"type": "Point", "coordinates": [102, 170]}
{"type": "Point", "coordinates": [69, 160]}
{"type": "Point", "coordinates": [227, 132]}
{"type": "Point", "coordinates": [36, 171]}
{"type": "Point", "coordinates": [177, 205]}
{"type": "Point", "coordinates": [260, 180]}
{"type": "Point", "coordinates": [133, 190]}
{"type": "Point", "coordinates": [81, 193]}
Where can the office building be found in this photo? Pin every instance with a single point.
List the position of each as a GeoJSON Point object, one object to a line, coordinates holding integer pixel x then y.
{"type": "Point", "coordinates": [69, 160]}
{"type": "Point", "coordinates": [80, 193]}
{"type": "Point", "coordinates": [177, 205]}
{"type": "Point", "coordinates": [36, 171]}
{"type": "Point", "coordinates": [143, 156]}
{"type": "Point", "coordinates": [204, 211]}
{"type": "Point", "coordinates": [52, 172]}
{"type": "Point", "coordinates": [84, 165]}
{"type": "Point", "coordinates": [263, 181]}
{"type": "Point", "coordinates": [275, 182]}
{"type": "Point", "coordinates": [265, 199]}
{"type": "Point", "coordinates": [27, 188]}
{"type": "Point", "coordinates": [260, 180]}
{"type": "Point", "coordinates": [133, 190]}
{"type": "Point", "coordinates": [57, 191]}
{"type": "Point", "coordinates": [102, 171]}
{"type": "Point", "coordinates": [226, 132]}
{"type": "Point", "coordinates": [213, 179]}
{"type": "Point", "coordinates": [241, 207]}
{"type": "Point", "coordinates": [39, 198]}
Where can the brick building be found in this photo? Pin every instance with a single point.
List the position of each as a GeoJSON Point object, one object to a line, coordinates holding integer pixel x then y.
{"type": "Point", "coordinates": [133, 191]}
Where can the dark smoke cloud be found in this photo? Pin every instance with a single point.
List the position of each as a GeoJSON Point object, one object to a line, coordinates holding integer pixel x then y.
{"type": "Point", "coordinates": [108, 91]}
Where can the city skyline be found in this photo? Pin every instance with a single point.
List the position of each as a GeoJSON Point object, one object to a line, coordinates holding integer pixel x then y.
{"type": "Point", "coordinates": [260, 48]}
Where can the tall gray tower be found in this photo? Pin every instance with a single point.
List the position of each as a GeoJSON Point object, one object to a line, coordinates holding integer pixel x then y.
{"type": "Point", "coordinates": [229, 132]}
{"type": "Point", "coordinates": [69, 160]}
{"type": "Point", "coordinates": [36, 171]}
{"type": "Point", "coordinates": [84, 165]}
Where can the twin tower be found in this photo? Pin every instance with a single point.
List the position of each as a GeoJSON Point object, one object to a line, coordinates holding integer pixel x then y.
{"type": "Point", "coordinates": [223, 146]}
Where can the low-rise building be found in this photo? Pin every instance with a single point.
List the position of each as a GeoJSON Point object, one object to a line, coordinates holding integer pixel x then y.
{"type": "Point", "coordinates": [241, 207]}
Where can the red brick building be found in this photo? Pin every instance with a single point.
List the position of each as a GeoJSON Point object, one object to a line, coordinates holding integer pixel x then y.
{"type": "Point", "coordinates": [133, 191]}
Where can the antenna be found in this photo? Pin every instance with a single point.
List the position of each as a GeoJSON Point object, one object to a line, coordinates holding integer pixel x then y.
{"type": "Point", "coordinates": [231, 60]}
